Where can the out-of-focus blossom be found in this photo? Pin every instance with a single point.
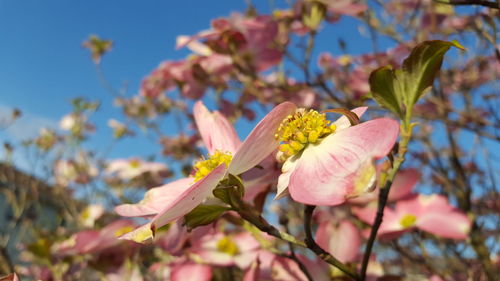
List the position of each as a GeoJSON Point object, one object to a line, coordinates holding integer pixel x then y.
{"type": "Point", "coordinates": [97, 47]}
{"type": "Point", "coordinates": [430, 213]}
{"type": "Point", "coordinates": [249, 41]}
{"type": "Point", "coordinates": [78, 170]}
{"type": "Point", "coordinates": [134, 168]}
{"type": "Point", "coordinates": [119, 129]}
{"type": "Point", "coordinates": [47, 139]}
{"type": "Point", "coordinates": [90, 214]}
{"type": "Point", "coordinates": [342, 240]}
{"type": "Point", "coordinates": [94, 241]}
{"type": "Point", "coordinates": [222, 249]}
{"type": "Point", "coordinates": [182, 270]}
{"type": "Point", "coordinates": [76, 124]}
{"type": "Point", "coordinates": [328, 163]}
{"type": "Point", "coordinates": [179, 147]}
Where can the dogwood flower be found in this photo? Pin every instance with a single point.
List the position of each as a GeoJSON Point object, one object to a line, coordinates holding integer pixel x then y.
{"type": "Point", "coordinates": [226, 156]}
{"type": "Point", "coordinates": [343, 240]}
{"type": "Point", "coordinates": [326, 163]}
{"type": "Point", "coordinates": [430, 213]}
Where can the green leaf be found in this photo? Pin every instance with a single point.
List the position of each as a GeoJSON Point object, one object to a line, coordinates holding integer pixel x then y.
{"type": "Point", "coordinates": [421, 67]}
{"type": "Point", "coordinates": [400, 89]}
{"type": "Point", "coordinates": [385, 90]}
{"type": "Point", "coordinates": [203, 215]}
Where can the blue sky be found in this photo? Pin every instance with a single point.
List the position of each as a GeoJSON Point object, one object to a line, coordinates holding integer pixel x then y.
{"type": "Point", "coordinates": [43, 65]}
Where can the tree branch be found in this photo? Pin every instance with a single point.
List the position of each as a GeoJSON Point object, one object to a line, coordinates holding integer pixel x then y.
{"type": "Point", "coordinates": [324, 255]}
{"type": "Point", "coordinates": [483, 3]}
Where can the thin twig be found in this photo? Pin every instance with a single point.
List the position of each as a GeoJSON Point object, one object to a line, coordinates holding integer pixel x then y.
{"type": "Point", "coordinates": [311, 244]}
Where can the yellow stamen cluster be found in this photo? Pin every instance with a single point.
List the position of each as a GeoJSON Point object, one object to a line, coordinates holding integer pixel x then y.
{"type": "Point", "coordinates": [227, 245]}
{"type": "Point", "coordinates": [204, 167]}
{"type": "Point", "coordinates": [408, 221]}
{"type": "Point", "coordinates": [302, 128]}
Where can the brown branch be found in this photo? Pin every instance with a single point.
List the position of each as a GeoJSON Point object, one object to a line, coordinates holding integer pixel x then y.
{"type": "Point", "coordinates": [324, 255]}
{"type": "Point", "coordinates": [483, 3]}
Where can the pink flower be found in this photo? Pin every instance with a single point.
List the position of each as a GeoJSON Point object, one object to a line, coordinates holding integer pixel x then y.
{"type": "Point", "coordinates": [221, 249]}
{"type": "Point", "coordinates": [94, 241]}
{"type": "Point", "coordinates": [328, 163]}
{"type": "Point", "coordinates": [226, 156]}
{"type": "Point", "coordinates": [251, 40]}
{"type": "Point", "coordinates": [430, 213]}
{"type": "Point", "coordinates": [129, 169]}
{"type": "Point", "coordinates": [342, 241]}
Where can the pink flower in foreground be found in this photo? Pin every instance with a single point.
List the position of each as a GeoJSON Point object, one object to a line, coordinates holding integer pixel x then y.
{"type": "Point", "coordinates": [226, 156]}
{"type": "Point", "coordinates": [327, 163]}
{"type": "Point", "coordinates": [430, 213]}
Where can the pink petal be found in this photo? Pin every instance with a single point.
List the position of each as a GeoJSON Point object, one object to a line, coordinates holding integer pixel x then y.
{"type": "Point", "coordinates": [454, 225]}
{"type": "Point", "coordinates": [191, 272]}
{"type": "Point", "coordinates": [190, 198]}
{"type": "Point", "coordinates": [284, 179]}
{"type": "Point", "coordinates": [10, 277]}
{"type": "Point", "coordinates": [253, 272]}
{"type": "Point", "coordinates": [329, 172]}
{"type": "Point", "coordinates": [261, 141]}
{"type": "Point", "coordinates": [215, 130]}
{"type": "Point", "coordinates": [342, 241]}
{"type": "Point", "coordinates": [141, 234]}
{"type": "Point", "coordinates": [440, 218]}
{"type": "Point", "coordinates": [403, 184]}
{"type": "Point", "coordinates": [155, 199]}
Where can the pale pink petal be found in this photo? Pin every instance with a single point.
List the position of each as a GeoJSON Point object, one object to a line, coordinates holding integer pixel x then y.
{"type": "Point", "coordinates": [284, 179]}
{"type": "Point", "coordinates": [261, 141]}
{"type": "Point", "coordinates": [215, 130]}
{"type": "Point", "coordinates": [142, 234]}
{"type": "Point", "coordinates": [337, 168]}
{"type": "Point", "coordinates": [403, 184]}
{"type": "Point", "coordinates": [438, 217]}
{"type": "Point", "coordinates": [190, 198]}
{"type": "Point", "coordinates": [343, 122]}
{"type": "Point", "coordinates": [191, 272]}
{"type": "Point", "coordinates": [454, 225]}
{"type": "Point", "coordinates": [155, 199]}
{"type": "Point", "coordinates": [253, 272]}
{"type": "Point", "coordinates": [342, 241]}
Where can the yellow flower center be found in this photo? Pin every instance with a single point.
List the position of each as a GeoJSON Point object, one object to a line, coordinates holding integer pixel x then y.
{"type": "Point", "coordinates": [204, 167]}
{"type": "Point", "coordinates": [408, 221]}
{"type": "Point", "coordinates": [302, 128]}
{"type": "Point", "coordinates": [227, 245]}
{"type": "Point", "coordinates": [123, 230]}
{"type": "Point", "coordinates": [134, 163]}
